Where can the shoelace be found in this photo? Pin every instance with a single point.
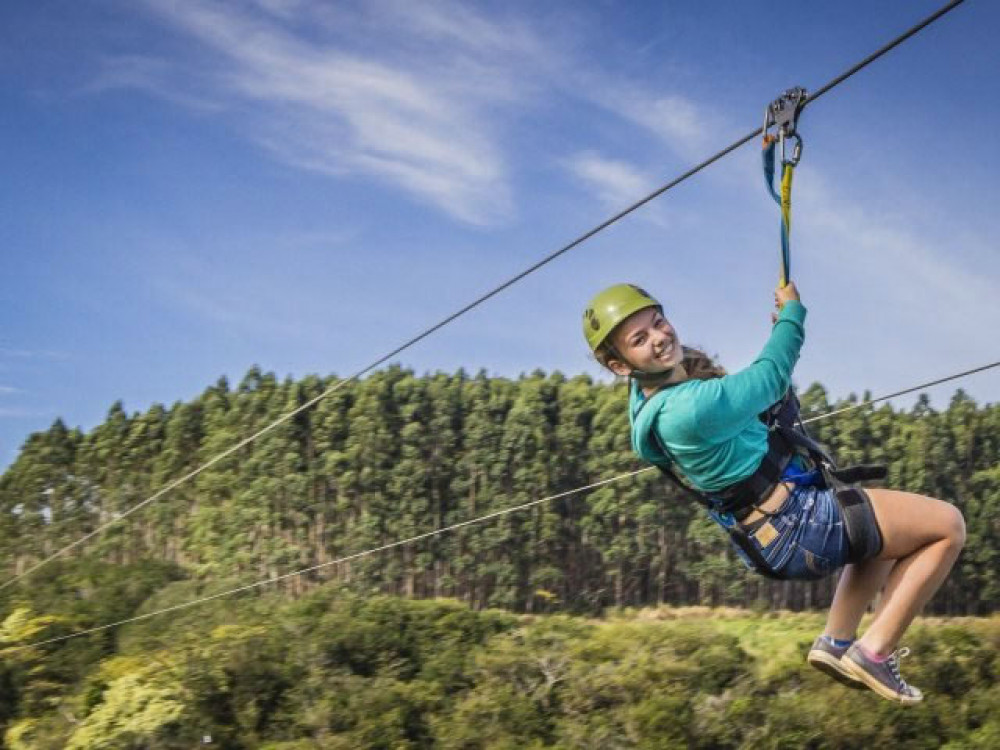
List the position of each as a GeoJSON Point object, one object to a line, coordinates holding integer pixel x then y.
{"type": "Point", "coordinates": [893, 661]}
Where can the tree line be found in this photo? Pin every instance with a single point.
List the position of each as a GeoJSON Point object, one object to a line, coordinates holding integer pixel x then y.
{"type": "Point", "coordinates": [397, 454]}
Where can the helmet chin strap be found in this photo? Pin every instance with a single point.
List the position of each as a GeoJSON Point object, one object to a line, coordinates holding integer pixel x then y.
{"type": "Point", "coordinates": [651, 379]}
{"type": "Point", "coordinates": [641, 376]}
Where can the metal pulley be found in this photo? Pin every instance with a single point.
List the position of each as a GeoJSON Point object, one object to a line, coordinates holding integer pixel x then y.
{"type": "Point", "coordinates": [783, 115]}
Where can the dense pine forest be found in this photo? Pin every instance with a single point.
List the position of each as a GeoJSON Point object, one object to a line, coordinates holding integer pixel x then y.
{"type": "Point", "coordinates": [396, 455]}
{"type": "Point", "coordinates": [559, 626]}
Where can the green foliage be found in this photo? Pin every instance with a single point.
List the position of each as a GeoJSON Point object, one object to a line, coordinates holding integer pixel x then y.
{"type": "Point", "coordinates": [137, 710]}
{"type": "Point", "coordinates": [395, 456]}
{"type": "Point", "coordinates": [73, 596]}
{"type": "Point", "coordinates": [338, 670]}
{"type": "Point", "coordinates": [33, 680]}
{"type": "Point", "coordinates": [90, 591]}
{"type": "Point", "coordinates": [326, 660]}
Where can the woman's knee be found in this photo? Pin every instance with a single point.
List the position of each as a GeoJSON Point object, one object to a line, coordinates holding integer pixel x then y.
{"type": "Point", "coordinates": [910, 521]}
{"type": "Point", "coordinates": [955, 528]}
{"type": "Point", "coordinates": [951, 525]}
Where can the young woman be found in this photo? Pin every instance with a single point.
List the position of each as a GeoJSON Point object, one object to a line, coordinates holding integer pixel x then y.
{"type": "Point", "coordinates": [704, 426]}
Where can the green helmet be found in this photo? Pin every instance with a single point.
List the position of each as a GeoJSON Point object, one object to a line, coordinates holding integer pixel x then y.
{"type": "Point", "coordinates": [611, 307]}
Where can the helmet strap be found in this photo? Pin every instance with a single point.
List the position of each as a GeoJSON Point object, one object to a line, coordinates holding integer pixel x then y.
{"type": "Point", "coordinates": [648, 379]}
{"type": "Point", "coordinates": [653, 379]}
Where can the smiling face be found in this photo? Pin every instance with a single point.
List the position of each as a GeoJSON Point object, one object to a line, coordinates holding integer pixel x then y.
{"type": "Point", "coordinates": [648, 342]}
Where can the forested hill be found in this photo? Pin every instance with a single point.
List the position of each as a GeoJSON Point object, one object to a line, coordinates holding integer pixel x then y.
{"type": "Point", "coordinates": [396, 455]}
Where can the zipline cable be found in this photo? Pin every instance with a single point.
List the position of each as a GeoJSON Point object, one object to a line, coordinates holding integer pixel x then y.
{"type": "Point", "coordinates": [903, 392]}
{"type": "Point", "coordinates": [177, 482]}
{"type": "Point", "coordinates": [505, 285]}
{"type": "Point", "coordinates": [355, 556]}
{"type": "Point", "coordinates": [452, 527]}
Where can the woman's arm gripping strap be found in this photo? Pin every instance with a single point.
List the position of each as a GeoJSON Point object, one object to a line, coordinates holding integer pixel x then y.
{"type": "Point", "coordinates": [726, 405]}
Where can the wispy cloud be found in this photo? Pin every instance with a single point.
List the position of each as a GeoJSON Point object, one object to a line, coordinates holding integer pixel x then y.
{"type": "Point", "coordinates": [616, 183]}
{"type": "Point", "coordinates": [922, 290]}
{"type": "Point", "coordinates": [420, 113]}
{"type": "Point", "coordinates": [152, 75]}
{"type": "Point", "coordinates": [677, 120]}
{"type": "Point", "coordinates": [6, 390]}
{"type": "Point", "coordinates": [415, 95]}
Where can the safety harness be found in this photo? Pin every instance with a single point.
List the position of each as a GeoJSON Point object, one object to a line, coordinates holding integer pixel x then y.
{"type": "Point", "coordinates": [787, 439]}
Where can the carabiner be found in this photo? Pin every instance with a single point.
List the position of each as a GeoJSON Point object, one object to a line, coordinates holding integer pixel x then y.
{"type": "Point", "coordinates": [796, 152]}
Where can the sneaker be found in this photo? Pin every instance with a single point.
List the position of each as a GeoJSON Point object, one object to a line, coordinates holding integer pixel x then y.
{"type": "Point", "coordinates": [881, 676]}
{"type": "Point", "coordinates": [825, 656]}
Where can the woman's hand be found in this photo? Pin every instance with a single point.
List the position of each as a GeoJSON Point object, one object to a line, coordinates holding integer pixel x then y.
{"type": "Point", "coordinates": [782, 295]}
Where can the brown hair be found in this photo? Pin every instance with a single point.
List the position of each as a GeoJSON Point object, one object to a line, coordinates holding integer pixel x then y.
{"type": "Point", "coordinates": [700, 366]}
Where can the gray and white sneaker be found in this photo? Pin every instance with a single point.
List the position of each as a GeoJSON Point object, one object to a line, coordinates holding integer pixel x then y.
{"type": "Point", "coordinates": [825, 656]}
{"type": "Point", "coordinates": [882, 676]}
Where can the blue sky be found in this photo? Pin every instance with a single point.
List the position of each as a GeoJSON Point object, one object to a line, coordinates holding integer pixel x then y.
{"type": "Point", "coordinates": [194, 187]}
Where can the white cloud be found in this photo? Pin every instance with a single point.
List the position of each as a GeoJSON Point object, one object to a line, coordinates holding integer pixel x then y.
{"type": "Point", "coordinates": [616, 183]}
{"type": "Point", "coordinates": [898, 291]}
{"type": "Point", "coordinates": [682, 124]}
{"type": "Point", "coordinates": [458, 23]}
{"type": "Point", "coordinates": [412, 94]}
{"type": "Point", "coordinates": [677, 120]}
{"type": "Point", "coordinates": [416, 108]}
{"type": "Point", "coordinates": [913, 268]}
{"type": "Point", "coordinates": [152, 75]}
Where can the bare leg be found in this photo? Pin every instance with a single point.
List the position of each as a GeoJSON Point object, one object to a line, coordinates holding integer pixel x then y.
{"type": "Point", "coordinates": [856, 588]}
{"type": "Point", "coordinates": [922, 538]}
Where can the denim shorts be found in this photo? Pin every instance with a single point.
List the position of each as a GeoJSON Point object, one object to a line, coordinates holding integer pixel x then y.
{"type": "Point", "coordinates": [810, 540]}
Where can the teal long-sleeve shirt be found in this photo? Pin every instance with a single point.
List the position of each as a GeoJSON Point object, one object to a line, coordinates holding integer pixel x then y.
{"type": "Point", "coordinates": [711, 427]}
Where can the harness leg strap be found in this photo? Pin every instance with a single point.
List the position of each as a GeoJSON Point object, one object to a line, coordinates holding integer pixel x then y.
{"type": "Point", "coordinates": [863, 533]}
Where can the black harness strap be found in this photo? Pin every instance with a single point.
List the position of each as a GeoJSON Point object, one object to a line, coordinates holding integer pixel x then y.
{"type": "Point", "coordinates": [864, 536]}
{"type": "Point", "coordinates": [740, 537]}
{"type": "Point", "coordinates": [787, 438]}
{"type": "Point", "coordinates": [744, 496]}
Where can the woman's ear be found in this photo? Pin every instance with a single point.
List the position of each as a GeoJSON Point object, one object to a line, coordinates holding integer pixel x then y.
{"type": "Point", "coordinates": [619, 368]}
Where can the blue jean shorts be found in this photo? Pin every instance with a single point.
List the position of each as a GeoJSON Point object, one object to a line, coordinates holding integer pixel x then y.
{"type": "Point", "coordinates": [809, 540]}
